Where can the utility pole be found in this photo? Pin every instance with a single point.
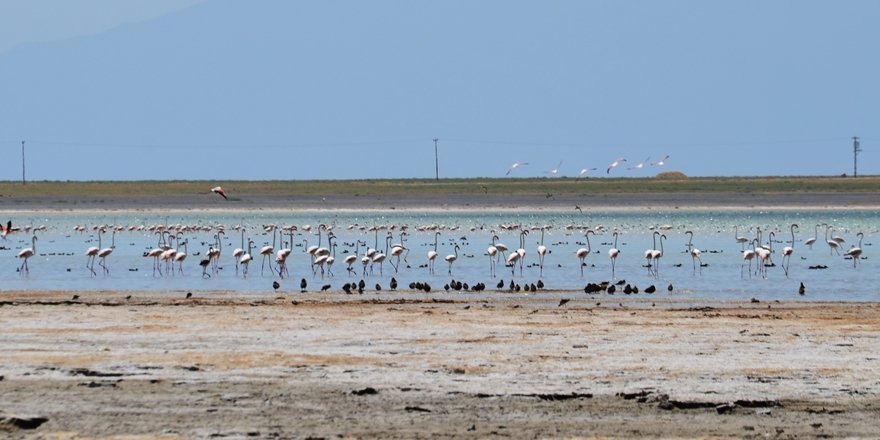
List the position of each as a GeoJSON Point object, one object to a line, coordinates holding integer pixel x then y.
{"type": "Point", "coordinates": [856, 150]}
{"type": "Point", "coordinates": [22, 163]}
{"type": "Point", "coordinates": [436, 160]}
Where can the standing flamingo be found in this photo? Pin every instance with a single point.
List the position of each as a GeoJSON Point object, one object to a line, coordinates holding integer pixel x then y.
{"type": "Point", "coordinates": [266, 251]}
{"type": "Point", "coordinates": [542, 250]}
{"type": "Point", "coordinates": [180, 257]}
{"type": "Point", "coordinates": [156, 253]}
{"type": "Point", "coordinates": [432, 254]}
{"type": "Point", "coordinates": [833, 244]}
{"type": "Point", "coordinates": [238, 252]}
{"type": "Point", "coordinates": [91, 253]}
{"type": "Point", "coordinates": [351, 259]}
{"type": "Point", "coordinates": [379, 257]}
{"type": "Point", "coordinates": [583, 253]}
{"type": "Point", "coordinates": [612, 254]}
{"type": "Point", "coordinates": [856, 251]}
{"type": "Point", "coordinates": [25, 254]}
{"type": "Point", "coordinates": [739, 239]}
{"type": "Point", "coordinates": [522, 250]}
{"type": "Point", "coordinates": [788, 250]}
{"type": "Point", "coordinates": [397, 250]}
{"type": "Point", "coordinates": [245, 260]}
{"type": "Point", "coordinates": [748, 255]}
{"type": "Point", "coordinates": [492, 251]}
{"type": "Point", "coordinates": [809, 242]}
{"type": "Point", "coordinates": [649, 254]}
{"type": "Point", "coordinates": [104, 253]}
{"type": "Point", "coordinates": [502, 248]}
{"type": "Point", "coordinates": [451, 259]}
{"type": "Point", "coordinates": [657, 255]}
{"type": "Point", "coordinates": [695, 253]}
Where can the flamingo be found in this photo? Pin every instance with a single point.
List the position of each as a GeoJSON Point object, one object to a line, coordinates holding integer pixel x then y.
{"type": "Point", "coordinates": [856, 251]}
{"type": "Point", "coordinates": [432, 254]}
{"type": "Point", "coordinates": [542, 250]}
{"type": "Point", "coordinates": [397, 251]}
{"type": "Point", "coordinates": [245, 260]}
{"type": "Point", "coordinates": [512, 259]}
{"type": "Point", "coordinates": [180, 257]}
{"type": "Point", "coordinates": [584, 172]}
{"type": "Point", "coordinates": [748, 255]}
{"type": "Point", "coordinates": [833, 244]}
{"type": "Point", "coordinates": [104, 253]}
{"type": "Point", "coordinates": [809, 242]}
{"type": "Point", "coordinates": [219, 190]}
{"type": "Point", "coordinates": [657, 255]}
{"type": "Point", "coordinates": [515, 166]}
{"type": "Point", "coordinates": [266, 251]}
{"type": "Point", "coordinates": [613, 253]}
{"type": "Point", "coordinates": [379, 257]}
{"type": "Point", "coordinates": [215, 257]}
{"type": "Point", "coordinates": [502, 248]}
{"type": "Point", "coordinates": [583, 253]}
{"type": "Point", "coordinates": [25, 254]}
{"type": "Point", "coordinates": [661, 162]}
{"type": "Point", "coordinates": [156, 253]}
{"type": "Point", "coordinates": [555, 171]}
{"type": "Point", "coordinates": [168, 255]}
{"type": "Point", "coordinates": [649, 254]}
{"type": "Point", "coordinates": [641, 164]}
{"type": "Point", "coordinates": [788, 250]}
{"type": "Point", "coordinates": [522, 250]}
{"type": "Point", "coordinates": [695, 253]}
{"type": "Point", "coordinates": [332, 258]}
{"type": "Point", "coordinates": [91, 253]}
{"type": "Point", "coordinates": [739, 239]}
{"type": "Point", "coordinates": [451, 259]}
{"type": "Point", "coordinates": [351, 259]}
{"type": "Point", "coordinates": [614, 164]}
{"type": "Point", "coordinates": [492, 251]}
{"type": "Point", "coordinates": [237, 253]}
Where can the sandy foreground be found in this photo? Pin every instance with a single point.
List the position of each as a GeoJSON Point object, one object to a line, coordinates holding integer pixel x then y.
{"type": "Point", "coordinates": [330, 365]}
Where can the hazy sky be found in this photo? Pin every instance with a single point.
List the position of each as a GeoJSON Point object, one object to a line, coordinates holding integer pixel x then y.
{"type": "Point", "coordinates": [276, 89]}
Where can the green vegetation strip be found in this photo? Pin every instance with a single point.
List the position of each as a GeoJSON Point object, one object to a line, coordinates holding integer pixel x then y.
{"type": "Point", "coordinates": [415, 187]}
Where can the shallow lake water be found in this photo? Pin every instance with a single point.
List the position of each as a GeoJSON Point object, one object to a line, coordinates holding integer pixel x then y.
{"type": "Point", "coordinates": [59, 263]}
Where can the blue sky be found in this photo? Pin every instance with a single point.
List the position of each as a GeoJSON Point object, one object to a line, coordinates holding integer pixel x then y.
{"type": "Point", "coordinates": [275, 89]}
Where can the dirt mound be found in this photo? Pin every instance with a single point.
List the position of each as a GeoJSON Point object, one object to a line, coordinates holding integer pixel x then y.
{"type": "Point", "coordinates": [672, 175]}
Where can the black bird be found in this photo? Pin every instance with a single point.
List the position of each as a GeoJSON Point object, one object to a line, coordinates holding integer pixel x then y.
{"type": "Point", "coordinates": [346, 288]}
{"type": "Point", "coordinates": [802, 289]}
{"type": "Point", "coordinates": [512, 285]}
{"type": "Point", "coordinates": [378, 287]}
{"type": "Point", "coordinates": [540, 284]}
{"type": "Point", "coordinates": [500, 284]}
{"type": "Point", "coordinates": [189, 295]}
{"type": "Point", "coordinates": [534, 287]}
{"type": "Point", "coordinates": [302, 285]}
{"type": "Point", "coordinates": [651, 289]}
{"type": "Point", "coordinates": [393, 284]}
{"type": "Point", "coordinates": [325, 287]}
{"type": "Point", "coordinates": [75, 297]}
{"type": "Point", "coordinates": [526, 287]}
{"type": "Point", "coordinates": [627, 289]}
{"type": "Point", "coordinates": [362, 285]}
{"type": "Point", "coordinates": [563, 302]}
{"type": "Point", "coordinates": [621, 282]}
{"type": "Point", "coordinates": [611, 289]}
{"type": "Point", "coordinates": [669, 288]}
{"type": "Point", "coordinates": [427, 288]}
{"type": "Point", "coordinates": [128, 297]}
{"type": "Point", "coordinates": [275, 285]}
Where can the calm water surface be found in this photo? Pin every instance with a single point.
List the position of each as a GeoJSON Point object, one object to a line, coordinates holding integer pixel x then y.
{"type": "Point", "coordinates": [59, 262]}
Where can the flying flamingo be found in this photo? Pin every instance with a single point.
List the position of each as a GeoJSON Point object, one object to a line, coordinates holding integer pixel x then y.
{"type": "Point", "coordinates": [555, 171]}
{"type": "Point", "coordinates": [788, 250]}
{"type": "Point", "coordinates": [583, 253]}
{"type": "Point", "coordinates": [104, 253]}
{"type": "Point", "coordinates": [91, 253]}
{"type": "Point", "coordinates": [26, 253]}
{"type": "Point", "coordinates": [856, 251]}
{"type": "Point", "coordinates": [219, 190]}
{"type": "Point", "coordinates": [432, 254]}
{"type": "Point", "coordinates": [515, 166]}
{"type": "Point", "coordinates": [613, 253]}
{"type": "Point", "coordinates": [614, 164]}
{"type": "Point", "coordinates": [661, 162]}
{"type": "Point", "coordinates": [641, 164]}
{"type": "Point", "coordinates": [584, 172]}
{"type": "Point", "coordinates": [451, 259]}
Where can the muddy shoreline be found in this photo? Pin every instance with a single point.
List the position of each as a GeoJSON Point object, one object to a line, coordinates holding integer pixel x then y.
{"type": "Point", "coordinates": [328, 365]}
